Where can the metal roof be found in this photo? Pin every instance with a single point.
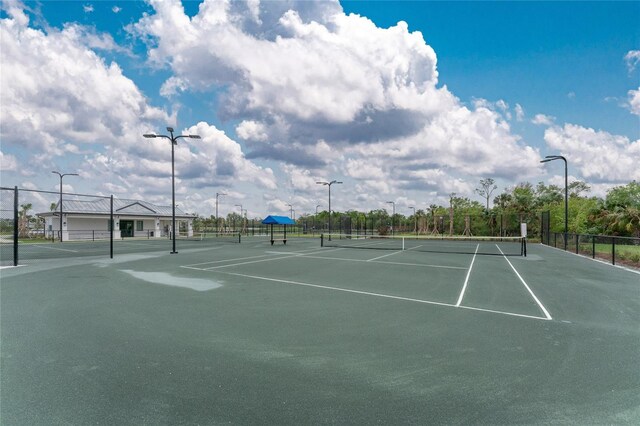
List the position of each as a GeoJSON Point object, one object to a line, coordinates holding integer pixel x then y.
{"type": "Point", "coordinates": [121, 206]}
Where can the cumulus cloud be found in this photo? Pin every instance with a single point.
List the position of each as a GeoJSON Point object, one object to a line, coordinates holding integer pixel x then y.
{"type": "Point", "coordinates": [632, 58]}
{"type": "Point", "coordinates": [73, 97]}
{"type": "Point", "coordinates": [8, 162]}
{"type": "Point", "coordinates": [599, 156]}
{"type": "Point", "coordinates": [519, 112]}
{"type": "Point", "coordinates": [634, 101]}
{"type": "Point", "coordinates": [214, 160]}
{"type": "Point", "coordinates": [325, 89]}
{"type": "Point", "coordinates": [543, 120]}
{"type": "Point", "coordinates": [253, 130]}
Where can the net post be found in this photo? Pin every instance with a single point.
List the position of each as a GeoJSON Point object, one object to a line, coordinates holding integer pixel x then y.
{"type": "Point", "coordinates": [524, 247]}
{"type": "Point", "coordinates": [402, 243]}
{"type": "Point", "coordinates": [15, 226]}
{"type": "Point", "coordinates": [239, 237]}
{"type": "Point", "coordinates": [321, 240]}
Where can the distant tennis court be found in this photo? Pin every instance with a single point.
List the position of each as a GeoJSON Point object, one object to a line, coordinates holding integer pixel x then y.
{"type": "Point", "coordinates": [225, 332]}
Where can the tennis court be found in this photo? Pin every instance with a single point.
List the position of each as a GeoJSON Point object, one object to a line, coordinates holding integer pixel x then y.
{"type": "Point", "coordinates": [299, 333]}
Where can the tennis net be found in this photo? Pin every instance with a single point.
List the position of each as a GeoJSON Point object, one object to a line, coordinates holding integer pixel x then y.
{"type": "Point", "coordinates": [213, 237]}
{"type": "Point", "coordinates": [507, 246]}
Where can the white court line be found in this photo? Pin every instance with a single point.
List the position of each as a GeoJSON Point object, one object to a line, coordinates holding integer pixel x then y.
{"type": "Point", "coordinates": [227, 260]}
{"type": "Point", "coordinates": [395, 252]}
{"type": "Point", "coordinates": [50, 248]}
{"type": "Point", "coordinates": [424, 265]}
{"type": "Point", "coordinates": [252, 261]}
{"type": "Point", "coordinates": [386, 296]}
{"type": "Point", "coordinates": [466, 280]}
{"type": "Point", "coordinates": [504, 313]}
{"type": "Point", "coordinates": [386, 255]}
{"type": "Point", "coordinates": [285, 256]}
{"type": "Point", "coordinates": [546, 313]}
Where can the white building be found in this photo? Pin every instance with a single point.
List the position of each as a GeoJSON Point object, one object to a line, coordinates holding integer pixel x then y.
{"type": "Point", "coordinates": [82, 220]}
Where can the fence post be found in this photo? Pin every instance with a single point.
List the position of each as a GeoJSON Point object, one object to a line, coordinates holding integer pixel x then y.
{"type": "Point", "coordinates": [15, 226]}
{"type": "Point", "coordinates": [577, 243]}
{"type": "Point", "coordinates": [613, 250]}
{"type": "Point", "coordinates": [111, 233]}
{"type": "Point", "coordinates": [593, 252]}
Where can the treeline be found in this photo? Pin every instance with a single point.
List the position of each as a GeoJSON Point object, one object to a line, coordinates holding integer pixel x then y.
{"type": "Point", "coordinates": [618, 213]}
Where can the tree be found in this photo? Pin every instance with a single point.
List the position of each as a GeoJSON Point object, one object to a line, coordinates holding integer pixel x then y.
{"type": "Point", "coordinates": [548, 195]}
{"type": "Point", "coordinates": [623, 196]}
{"type": "Point", "coordinates": [577, 187]}
{"type": "Point", "coordinates": [23, 220]}
{"type": "Point", "coordinates": [487, 186]}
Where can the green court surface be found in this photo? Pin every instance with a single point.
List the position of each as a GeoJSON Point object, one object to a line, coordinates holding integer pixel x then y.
{"type": "Point", "coordinates": [252, 333]}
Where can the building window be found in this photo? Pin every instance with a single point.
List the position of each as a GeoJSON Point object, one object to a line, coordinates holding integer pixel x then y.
{"type": "Point", "coordinates": [139, 225]}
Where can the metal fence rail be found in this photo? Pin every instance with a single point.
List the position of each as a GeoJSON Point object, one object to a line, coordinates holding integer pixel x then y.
{"type": "Point", "coordinates": [616, 250]}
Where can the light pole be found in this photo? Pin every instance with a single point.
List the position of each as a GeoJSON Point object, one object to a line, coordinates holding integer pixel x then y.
{"type": "Point", "coordinates": [394, 213]}
{"type": "Point", "coordinates": [174, 142]}
{"type": "Point", "coordinates": [415, 220]}
{"type": "Point", "coordinates": [314, 219]}
{"type": "Point", "coordinates": [329, 185]}
{"type": "Point", "coordinates": [217, 195]}
{"type": "Point", "coordinates": [239, 205]}
{"type": "Point", "coordinates": [61, 176]}
{"type": "Point", "coordinates": [290, 211]}
{"type": "Point", "coordinates": [566, 193]}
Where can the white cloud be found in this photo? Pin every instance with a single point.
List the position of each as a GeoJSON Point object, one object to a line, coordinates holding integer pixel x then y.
{"type": "Point", "coordinates": [315, 63]}
{"type": "Point", "coordinates": [88, 8]}
{"type": "Point", "coordinates": [116, 9]}
{"type": "Point", "coordinates": [78, 100]}
{"type": "Point", "coordinates": [632, 58]}
{"type": "Point", "coordinates": [8, 162]}
{"type": "Point", "coordinates": [634, 101]}
{"type": "Point", "coordinates": [329, 92]}
{"type": "Point", "coordinates": [542, 119]}
{"type": "Point", "coordinates": [519, 112]}
{"type": "Point", "coordinates": [599, 156]}
{"type": "Point", "coordinates": [250, 129]}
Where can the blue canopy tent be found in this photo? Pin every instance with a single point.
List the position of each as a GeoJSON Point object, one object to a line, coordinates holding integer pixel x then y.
{"type": "Point", "coordinates": [278, 220]}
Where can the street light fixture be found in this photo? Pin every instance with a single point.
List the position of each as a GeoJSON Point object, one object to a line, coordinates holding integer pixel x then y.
{"type": "Point", "coordinates": [174, 142]}
{"type": "Point", "coordinates": [329, 185]}
{"type": "Point", "coordinates": [217, 195]}
{"type": "Point", "coordinates": [415, 220]}
{"type": "Point", "coordinates": [290, 211]}
{"type": "Point", "coordinates": [61, 176]}
{"type": "Point", "coordinates": [566, 193]}
{"type": "Point", "coordinates": [394, 213]}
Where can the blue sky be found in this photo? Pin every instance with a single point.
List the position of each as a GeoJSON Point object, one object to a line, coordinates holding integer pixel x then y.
{"type": "Point", "coordinates": [404, 101]}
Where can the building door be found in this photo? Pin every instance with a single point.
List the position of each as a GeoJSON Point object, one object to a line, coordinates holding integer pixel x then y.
{"type": "Point", "coordinates": [126, 228]}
